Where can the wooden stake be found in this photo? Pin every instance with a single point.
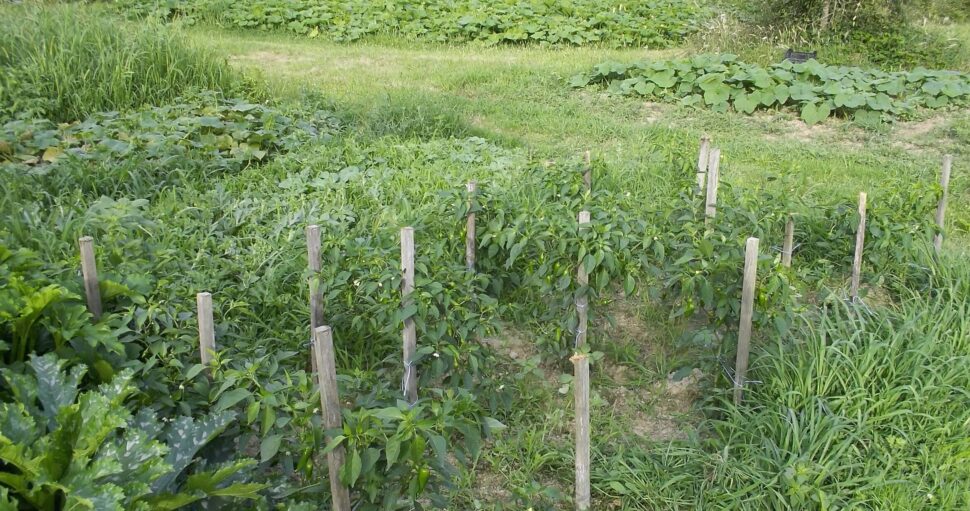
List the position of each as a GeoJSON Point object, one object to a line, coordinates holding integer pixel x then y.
{"type": "Point", "coordinates": [330, 409]}
{"type": "Point", "coordinates": [89, 270]}
{"type": "Point", "coordinates": [786, 250]}
{"type": "Point", "coordinates": [410, 335]}
{"type": "Point", "coordinates": [713, 176]}
{"type": "Point", "coordinates": [941, 207]}
{"type": "Point", "coordinates": [747, 312]}
{"type": "Point", "coordinates": [207, 332]}
{"type": "Point", "coordinates": [470, 228]}
{"type": "Point", "coordinates": [581, 381]}
{"type": "Point", "coordinates": [860, 238]}
{"type": "Point", "coordinates": [702, 161]}
{"type": "Point", "coordinates": [588, 172]}
{"type": "Point", "coordinates": [316, 294]}
{"type": "Point", "coordinates": [582, 303]}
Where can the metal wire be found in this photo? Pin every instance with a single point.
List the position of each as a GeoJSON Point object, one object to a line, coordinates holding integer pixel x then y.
{"type": "Point", "coordinates": [779, 249]}
{"type": "Point", "coordinates": [730, 374]}
{"type": "Point", "coordinates": [579, 330]}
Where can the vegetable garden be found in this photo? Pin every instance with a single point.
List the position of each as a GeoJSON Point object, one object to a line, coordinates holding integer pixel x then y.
{"type": "Point", "coordinates": [211, 300]}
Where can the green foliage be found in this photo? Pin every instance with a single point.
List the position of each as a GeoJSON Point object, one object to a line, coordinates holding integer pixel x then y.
{"type": "Point", "coordinates": [64, 62]}
{"type": "Point", "coordinates": [398, 454]}
{"type": "Point", "coordinates": [66, 449]}
{"type": "Point", "coordinates": [816, 90]}
{"type": "Point", "coordinates": [828, 15]}
{"type": "Point", "coordinates": [902, 46]}
{"type": "Point", "coordinates": [170, 221]}
{"type": "Point", "coordinates": [228, 133]}
{"type": "Point", "coordinates": [854, 409]}
{"type": "Point", "coordinates": [655, 23]}
{"type": "Point", "coordinates": [37, 315]}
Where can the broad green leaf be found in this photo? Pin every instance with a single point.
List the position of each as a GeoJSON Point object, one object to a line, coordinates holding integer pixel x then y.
{"type": "Point", "coordinates": [350, 472]}
{"type": "Point", "coordinates": [745, 103]}
{"type": "Point", "coordinates": [231, 398]}
{"type": "Point", "coordinates": [801, 91]}
{"type": "Point", "coordinates": [493, 425]}
{"type": "Point", "coordinates": [184, 437]}
{"type": "Point", "coordinates": [269, 447]}
{"type": "Point", "coordinates": [717, 94]}
{"type": "Point", "coordinates": [392, 450]}
{"type": "Point", "coordinates": [813, 113]}
{"type": "Point", "coordinates": [55, 389]}
{"type": "Point", "coordinates": [849, 100]}
{"type": "Point", "coordinates": [663, 78]}
{"type": "Point", "coordinates": [644, 88]}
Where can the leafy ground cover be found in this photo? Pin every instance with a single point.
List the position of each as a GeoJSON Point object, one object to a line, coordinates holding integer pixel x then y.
{"type": "Point", "coordinates": [655, 23]}
{"type": "Point", "coordinates": [816, 90]}
{"type": "Point", "coordinates": [185, 208]}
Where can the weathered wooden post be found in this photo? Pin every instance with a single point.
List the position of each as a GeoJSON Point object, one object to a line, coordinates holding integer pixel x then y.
{"type": "Point", "coordinates": [786, 249]}
{"type": "Point", "coordinates": [89, 271]}
{"type": "Point", "coordinates": [747, 313]}
{"type": "Point", "coordinates": [713, 176]}
{"type": "Point", "coordinates": [582, 302]}
{"type": "Point", "coordinates": [702, 162]}
{"type": "Point", "coordinates": [581, 379]}
{"type": "Point", "coordinates": [409, 335]}
{"type": "Point", "coordinates": [330, 409]}
{"type": "Point", "coordinates": [941, 207]}
{"type": "Point", "coordinates": [860, 238]}
{"type": "Point", "coordinates": [207, 331]}
{"type": "Point", "coordinates": [470, 242]}
{"type": "Point", "coordinates": [316, 294]}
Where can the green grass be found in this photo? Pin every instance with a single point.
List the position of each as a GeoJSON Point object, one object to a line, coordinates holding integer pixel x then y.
{"type": "Point", "coordinates": [66, 61]}
{"type": "Point", "coordinates": [856, 409]}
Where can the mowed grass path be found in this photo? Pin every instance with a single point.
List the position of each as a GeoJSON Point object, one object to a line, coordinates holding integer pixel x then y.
{"type": "Point", "coordinates": [518, 97]}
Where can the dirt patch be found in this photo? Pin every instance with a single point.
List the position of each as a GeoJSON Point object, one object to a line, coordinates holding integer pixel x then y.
{"type": "Point", "coordinates": [653, 112]}
{"type": "Point", "coordinates": [513, 344]}
{"type": "Point", "coordinates": [491, 487]}
{"type": "Point", "coordinates": [914, 136]}
{"type": "Point", "coordinates": [909, 131]}
{"type": "Point", "coordinates": [622, 324]}
{"type": "Point", "coordinates": [798, 130]}
{"type": "Point", "coordinates": [662, 412]}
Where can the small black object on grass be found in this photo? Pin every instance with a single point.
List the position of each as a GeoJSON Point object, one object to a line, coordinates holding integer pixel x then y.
{"type": "Point", "coordinates": [799, 56]}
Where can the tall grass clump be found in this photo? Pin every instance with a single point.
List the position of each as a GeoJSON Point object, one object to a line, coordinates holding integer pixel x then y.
{"type": "Point", "coordinates": [64, 62]}
{"type": "Point", "coordinates": [869, 409]}
{"type": "Point", "coordinates": [861, 407]}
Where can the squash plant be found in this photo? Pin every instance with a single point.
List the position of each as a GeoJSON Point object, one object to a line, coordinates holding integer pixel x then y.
{"type": "Point", "coordinates": [654, 23]}
{"type": "Point", "coordinates": [64, 448]}
{"type": "Point", "coordinates": [815, 90]}
{"type": "Point", "coordinates": [38, 315]}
